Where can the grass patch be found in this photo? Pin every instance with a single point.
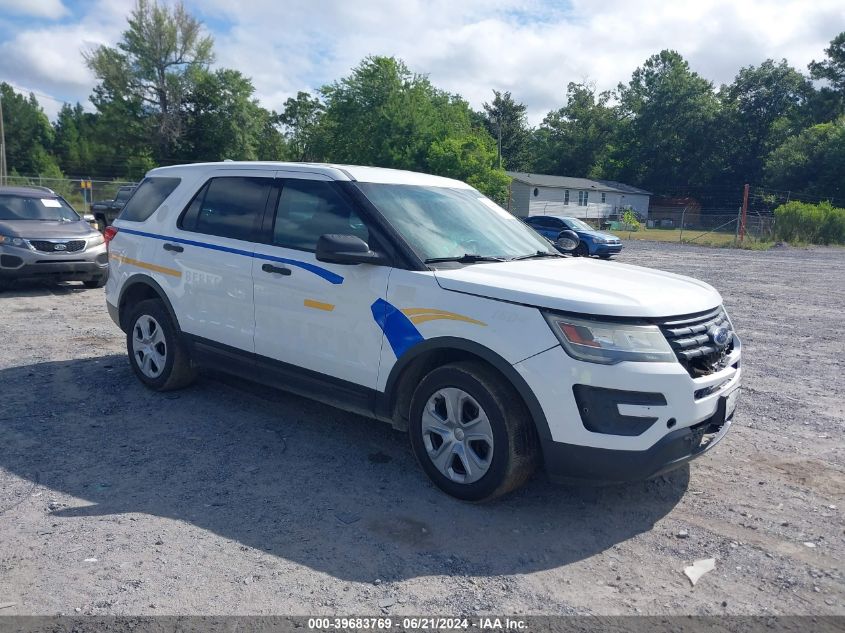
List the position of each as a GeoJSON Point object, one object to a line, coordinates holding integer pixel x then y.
{"type": "Point", "coordinates": [693, 236]}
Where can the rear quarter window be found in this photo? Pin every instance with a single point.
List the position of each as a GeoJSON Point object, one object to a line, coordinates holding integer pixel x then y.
{"type": "Point", "coordinates": [148, 197]}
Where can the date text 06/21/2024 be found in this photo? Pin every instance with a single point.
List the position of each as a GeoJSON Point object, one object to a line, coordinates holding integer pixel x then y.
{"type": "Point", "coordinates": [416, 623]}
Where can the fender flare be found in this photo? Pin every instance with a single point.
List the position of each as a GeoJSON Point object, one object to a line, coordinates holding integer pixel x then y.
{"type": "Point", "coordinates": [476, 349]}
{"type": "Point", "coordinates": [145, 280]}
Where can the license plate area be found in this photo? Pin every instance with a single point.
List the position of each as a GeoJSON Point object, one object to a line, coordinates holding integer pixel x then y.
{"type": "Point", "coordinates": [730, 402]}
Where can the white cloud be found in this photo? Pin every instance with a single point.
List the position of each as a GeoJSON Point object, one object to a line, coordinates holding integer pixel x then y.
{"type": "Point", "coordinates": [530, 47]}
{"type": "Point", "coordinates": [47, 59]}
{"type": "Point", "coordinates": [50, 9]}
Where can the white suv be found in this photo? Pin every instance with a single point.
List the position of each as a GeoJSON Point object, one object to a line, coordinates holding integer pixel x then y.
{"type": "Point", "coordinates": [416, 300]}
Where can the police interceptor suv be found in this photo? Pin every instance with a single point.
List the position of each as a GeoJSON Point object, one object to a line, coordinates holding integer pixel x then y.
{"type": "Point", "coordinates": [416, 300]}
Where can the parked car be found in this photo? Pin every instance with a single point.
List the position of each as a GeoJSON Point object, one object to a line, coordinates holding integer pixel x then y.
{"type": "Point", "coordinates": [42, 237]}
{"type": "Point", "coordinates": [105, 211]}
{"type": "Point", "coordinates": [416, 300]}
{"type": "Point", "coordinates": [592, 242]}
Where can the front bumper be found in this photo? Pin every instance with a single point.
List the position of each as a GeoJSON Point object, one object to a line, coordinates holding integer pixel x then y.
{"type": "Point", "coordinates": [689, 419]}
{"type": "Point", "coordinates": [568, 463]}
{"type": "Point", "coordinates": [605, 249]}
{"type": "Point", "coordinates": [23, 264]}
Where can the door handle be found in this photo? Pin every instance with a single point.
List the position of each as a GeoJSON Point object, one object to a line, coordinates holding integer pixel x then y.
{"type": "Point", "coordinates": [173, 247]}
{"type": "Point", "coordinates": [269, 268]}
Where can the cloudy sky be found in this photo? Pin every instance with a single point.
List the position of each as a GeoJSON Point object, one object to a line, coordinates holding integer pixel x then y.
{"type": "Point", "coordinates": [531, 47]}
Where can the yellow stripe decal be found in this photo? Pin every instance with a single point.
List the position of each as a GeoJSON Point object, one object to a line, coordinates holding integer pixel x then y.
{"type": "Point", "coordinates": [134, 262]}
{"type": "Point", "coordinates": [319, 305]}
{"type": "Point", "coordinates": [423, 315]}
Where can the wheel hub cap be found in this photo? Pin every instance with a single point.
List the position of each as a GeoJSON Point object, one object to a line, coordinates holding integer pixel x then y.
{"type": "Point", "coordinates": [457, 435]}
{"type": "Point", "coordinates": [149, 347]}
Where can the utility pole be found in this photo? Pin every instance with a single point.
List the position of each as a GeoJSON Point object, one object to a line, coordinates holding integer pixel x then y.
{"type": "Point", "coordinates": [3, 175]}
{"type": "Point", "coordinates": [744, 213]}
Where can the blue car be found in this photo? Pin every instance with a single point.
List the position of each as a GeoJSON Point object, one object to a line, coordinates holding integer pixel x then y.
{"type": "Point", "coordinates": [593, 242]}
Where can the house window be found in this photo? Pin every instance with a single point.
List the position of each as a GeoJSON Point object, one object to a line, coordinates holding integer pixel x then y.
{"type": "Point", "coordinates": [536, 192]}
{"type": "Point", "coordinates": [582, 198]}
{"type": "Point", "coordinates": [603, 197]}
{"type": "Point", "coordinates": [566, 196]}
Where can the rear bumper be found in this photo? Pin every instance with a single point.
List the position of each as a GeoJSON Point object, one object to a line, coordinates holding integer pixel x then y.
{"type": "Point", "coordinates": [114, 313]}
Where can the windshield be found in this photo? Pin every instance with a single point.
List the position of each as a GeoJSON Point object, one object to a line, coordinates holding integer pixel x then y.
{"type": "Point", "coordinates": [443, 222]}
{"type": "Point", "coordinates": [14, 207]}
{"type": "Point", "coordinates": [577, 225]}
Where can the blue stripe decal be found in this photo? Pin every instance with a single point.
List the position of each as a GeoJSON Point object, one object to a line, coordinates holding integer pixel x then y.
{"type": "Point", "coordinates": [400, 332]}
{"type": "Point", "coordinates": [317, 270]}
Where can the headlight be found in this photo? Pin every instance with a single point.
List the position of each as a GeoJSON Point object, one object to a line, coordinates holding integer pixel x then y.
{"type": "Point", "coordinates": [9, 240]}
{"type": "Point", "coordinates": [96, 240]}
{"type": "Point", "coordinates": [610, 343]}
{"type": "Point", "coordinates": [600, 240]}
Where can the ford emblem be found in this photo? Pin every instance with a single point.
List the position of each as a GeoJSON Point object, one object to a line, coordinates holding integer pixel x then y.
{"type": "Point", "coordinates": [720, 335]}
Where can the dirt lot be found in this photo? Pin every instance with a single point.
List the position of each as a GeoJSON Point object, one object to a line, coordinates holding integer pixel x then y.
{"type": "Point", "coordinates": [225, 498]}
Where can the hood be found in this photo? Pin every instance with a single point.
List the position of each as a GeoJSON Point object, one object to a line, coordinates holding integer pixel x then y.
{"type": "Point", "coordinates": [593, 233]}
{"type": "Point", "coordinates": [46, 229]}
{"type": "Point", "coordinates": [577, 284]}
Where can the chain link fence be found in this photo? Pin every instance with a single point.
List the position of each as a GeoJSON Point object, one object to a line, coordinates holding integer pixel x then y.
{"type": "Point", "coordinates": [689, 224]}
{"type": "Point", "coordinates": [80, 193]}
{"type": "Point", "coordinates": [682, 218]}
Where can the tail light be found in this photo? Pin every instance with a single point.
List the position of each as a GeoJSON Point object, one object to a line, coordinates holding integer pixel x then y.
{"type": "Point", "coordinates": [109, 233]}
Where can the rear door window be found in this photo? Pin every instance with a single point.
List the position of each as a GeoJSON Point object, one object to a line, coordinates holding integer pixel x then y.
{"type": "Point", "coordinates": [148, 197]}
{"type": "Point", "coordinates": [228, 206]}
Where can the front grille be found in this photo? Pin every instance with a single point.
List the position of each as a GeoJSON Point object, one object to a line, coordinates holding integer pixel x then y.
{"type": "Point", "coordinates": [49, 246]}
{"type": "Point", "coordinates": [690, 339]}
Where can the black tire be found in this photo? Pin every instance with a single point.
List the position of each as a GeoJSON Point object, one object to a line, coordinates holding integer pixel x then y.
{"type": "Point", "coordinates": [177, 372]}
{"type": "Point", "coordinates": [515, 446]}
{"type": "Point", "coordinates": [582, 250]}
{"type": "Point", "coordinates": [99, 282]}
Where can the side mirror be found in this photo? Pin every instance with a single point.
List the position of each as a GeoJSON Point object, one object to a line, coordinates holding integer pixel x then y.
{"type": "Point", "coordinates": [89, 217]}
{"type": "Point", "coordinates": [567, 241]}
{"type": "Point", "coordinates": [346, 249]}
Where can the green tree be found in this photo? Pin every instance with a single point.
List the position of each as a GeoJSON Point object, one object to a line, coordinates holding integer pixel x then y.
{"type": "Point", "coordinates": [473, 158]}
{"type": "Point", "coordinates": [669, 133]}
{"type": "Point", "coordinates": [761, 108]}
{"type": "Point", "coordinates": [222, 117]}
{"type": "Point", "coordinates": [300, 118]}
{"type": "Point", "coordinates": [29, 135]}
{"type": "Point", "coordinates": [832, 70]}
{"type": "Point", "coordinates": [506, 119]}
{"type": "Point", "coordinates": [384, 115]}
{"type": "Point", "coordinates": [149, 68]}
{"type": "Point", "coordinates": [812, 161]}
{"type": "Point", "coordinates": [75, 145]}
{"type": "Point", "coordinates": [577, 139]}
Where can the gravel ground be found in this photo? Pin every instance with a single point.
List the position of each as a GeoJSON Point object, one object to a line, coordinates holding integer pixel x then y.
{"type": "Point", "coordinates": [224, 498]}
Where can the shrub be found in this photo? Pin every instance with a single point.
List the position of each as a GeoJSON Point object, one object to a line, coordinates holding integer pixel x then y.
{"type": "Point", "coordinates": [811, 223]}
{"type": "Point", "coordinates": [629, 218]}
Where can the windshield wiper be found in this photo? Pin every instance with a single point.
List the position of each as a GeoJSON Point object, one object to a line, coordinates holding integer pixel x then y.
{"type": "Point", "coordinates": [466, 258]}
{"type": "Point", "coordinates": [537, 254]}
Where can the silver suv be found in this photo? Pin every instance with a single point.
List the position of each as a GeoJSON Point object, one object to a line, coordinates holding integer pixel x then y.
{"type": "Point", "coordinates": [42, 237]}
